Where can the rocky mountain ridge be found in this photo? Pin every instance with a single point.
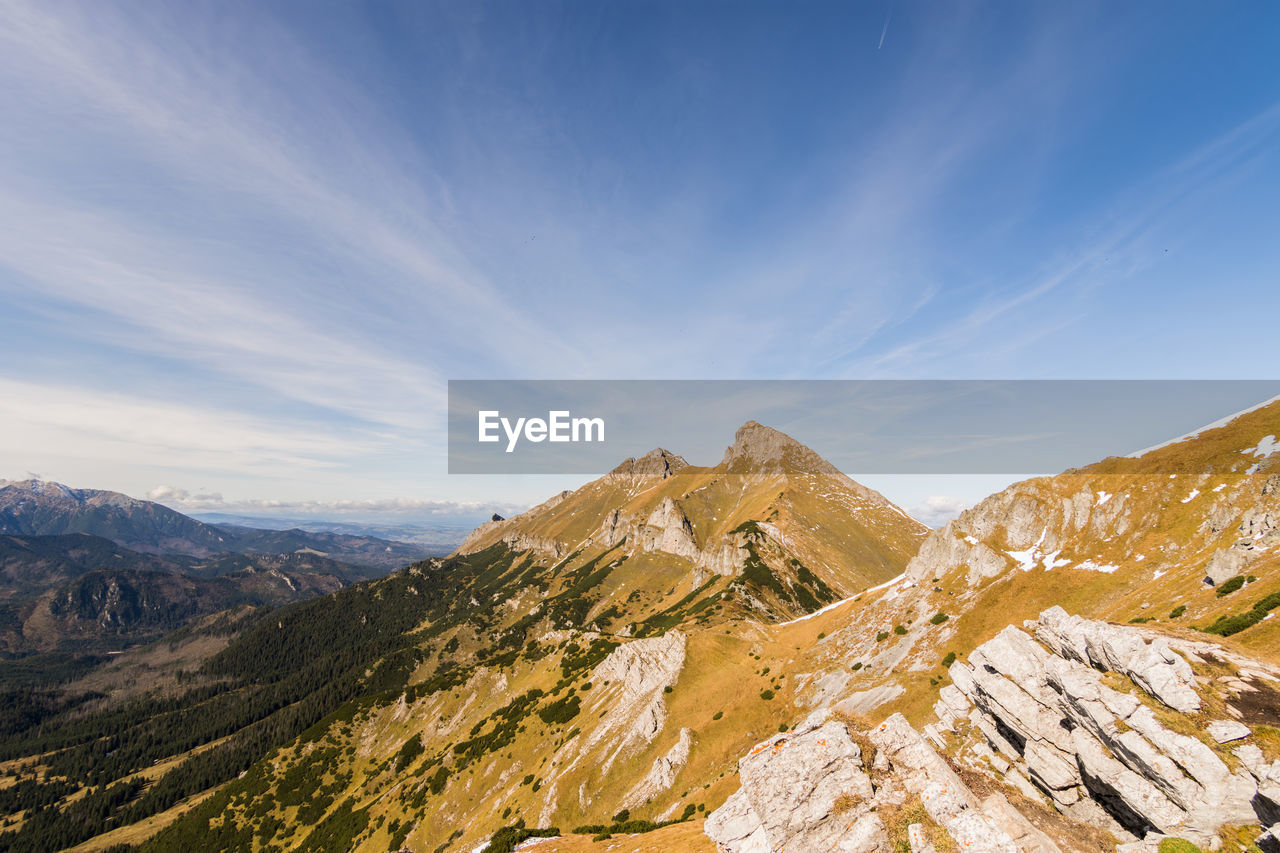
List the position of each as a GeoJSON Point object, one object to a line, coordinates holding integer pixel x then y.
{"type": "Point", "coordinates": [770, 502]}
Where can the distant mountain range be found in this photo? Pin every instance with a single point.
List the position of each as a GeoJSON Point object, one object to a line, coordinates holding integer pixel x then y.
{"type": "Point", "coordinates": [79, 592]}
{"type": "Point", "coordinates": [41, 508]}
{"type": "Point", "coordinates": [436, 536]}
{"type": "Point", "coordinates": [88, 570]}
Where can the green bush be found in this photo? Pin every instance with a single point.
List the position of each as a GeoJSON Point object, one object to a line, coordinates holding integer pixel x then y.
{"type": "Point", "coordinates": [948, 660]}
{"type": "Point", "coordinates": [1225, 626]}
{"type": "Point", "coordinates": [506, 839]}
{"type": "Point", "coordinates": [1178, 845]}
{"type": "Point", "coordinates": [1177, 611]}
{"type": "Point", "coordinates": [766, 695]}
{"type": "Point", "coordinates": [900, 630]}
{"type": "Point", "coordinates": [938, 618]}
{"type": "Point", "coordinates": [882, 636]}
{"type": "Point", "coordinates": [717, 715]}
{"type": "Point", "coordinates": [412, 749]}
{"type": "Point", "coordinates": [561, 711]}
{"type": "Point", "coordinates": [1230, 586]}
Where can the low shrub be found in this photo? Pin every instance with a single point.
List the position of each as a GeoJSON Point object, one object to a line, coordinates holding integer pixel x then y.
{"type": "Point", "coordinates": [1230, 586]}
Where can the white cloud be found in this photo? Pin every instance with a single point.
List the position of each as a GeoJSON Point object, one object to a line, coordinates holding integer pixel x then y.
{"type": "Point", "coordinates": [335, 311]}
{"type": "Point", "coordinates": [185, 501]}
{"type": "Point", "coordinates": [937, 510]}
{"type": "Point", "coordinates": [39, 421]}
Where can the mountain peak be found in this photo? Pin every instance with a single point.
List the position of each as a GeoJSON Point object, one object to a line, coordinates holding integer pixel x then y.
{"type": "Point", "coordinates": [757, 447]}
{"type": "Point", "coordinates": [656, 463]}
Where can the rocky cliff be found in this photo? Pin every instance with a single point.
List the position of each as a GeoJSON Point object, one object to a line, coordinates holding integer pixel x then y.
{"type": "Point", "coordinates": [1049, 739]}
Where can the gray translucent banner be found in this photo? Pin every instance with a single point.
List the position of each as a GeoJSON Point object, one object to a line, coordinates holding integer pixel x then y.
{"type": "Point", "coordinates": [862, 427]}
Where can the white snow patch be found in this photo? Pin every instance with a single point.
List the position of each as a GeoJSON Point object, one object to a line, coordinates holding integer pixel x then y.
{"type": "Point", "coordinates": [1219, 487]}
{"type": "Point", "coordinates": [1028, 559]}
{"type": "Point", "coordinates": [1189, 498]}
{"type": "Point", "coordinates": [1033, 556]}
{"type": "Point", "coordinates": [1091, 566]}
{"type": "Point", "coordinates": [1140, 558]}
{"type": "Point", "coordinates": [1103, 497]}
{"type": "Point", "coordinates": [833, 605]}
{"type": "Point", "coordinates": [1263, 448]}
{"type": "Point", "coordinates": [1252, 469]}
{"type": "Point", "coordinates": [886, 584]}
{"type": "Point", "coordinates": [971, 540]}
{"type": "Point", "coordinates": [1155, 576]}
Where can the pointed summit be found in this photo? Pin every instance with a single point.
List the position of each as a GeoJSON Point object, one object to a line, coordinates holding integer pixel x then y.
{"type": "Point", "coordinates": [758, 448]}
{"type": "Point", "coordinates": [655, 463]}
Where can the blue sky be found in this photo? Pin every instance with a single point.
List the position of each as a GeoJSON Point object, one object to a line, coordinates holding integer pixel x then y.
{"type": "Point", "coordinates": [243, 246]}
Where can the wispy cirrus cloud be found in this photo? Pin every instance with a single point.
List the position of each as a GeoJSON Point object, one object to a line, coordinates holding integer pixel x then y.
{"type": "Point", "coordinates": [51, 423]}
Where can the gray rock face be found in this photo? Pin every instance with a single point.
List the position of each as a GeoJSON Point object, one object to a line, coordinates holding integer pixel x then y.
{"type": "Point", "coordinates": [793, 782]}
{"type": "Point", "coordinates": [1225, 731]}
{"type": "Point", "coordinates": [639, 672]}
{"type": "Point", "coordinates": [1084, 744]}
{"type": "Point", "coordinates": [1041, 715]}
{"type": "Point", "coordinates": [656, 463]}
{"type": "Point", "coordinates": [1259, 530]}
{"type": "Point", "coordinates": [662, 775]}
{"type": "Point", "coordinates": [667, 529]}
{"type": "Point", "coordinates": [945, 797]}
{"type": "Point", "coordinates": [791, 785]}
{"type": "Point", "coordinates": [1153, 666]}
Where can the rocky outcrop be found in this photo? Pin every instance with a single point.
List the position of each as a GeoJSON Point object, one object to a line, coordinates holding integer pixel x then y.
{"type": "Point", "coordinates": [1150, 662]}
{"type": "Point", "coordinates": [1043, 707]}
{"type": "Point", "coordinates": [816, 789]}
{"type": "Point", "coordinates": [1034, 521]}
{"type": "Point", "coordinates": [805, 790]}
{"type": "Point", "coordinates": [1258, 532]}
{"type": "Point", "coordinates": [667, 529]}
{"type": "Point", "coordinates": [656, 463]}
{"type": "Point", "coordinates": [1074, 713]}
{"type": "Point", "coordinates": [662, 775]}
{"type": "Point", "coordinates": [632, 680]}
{"type": "Point", "coordinates": [485, 534]}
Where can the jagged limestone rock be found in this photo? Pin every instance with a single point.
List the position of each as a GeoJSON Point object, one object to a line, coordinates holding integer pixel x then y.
{"type": "Point", "coordinates": [639, 671]}
{"type": "Point", "coordinates": [668, 530]}
{"type": "Point", "coordinates": [1153, 666]}
{"type": "Point", "coordinates": [1225, 731]}
{"type": "Point", "coordinates": [662, 775]}
{"type": "Point", "coordinates": [790, 786]}
{"type": "Point", "coordinates": [1084, 743]}
{"type": "Point", "coordinates": [946, 798]}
